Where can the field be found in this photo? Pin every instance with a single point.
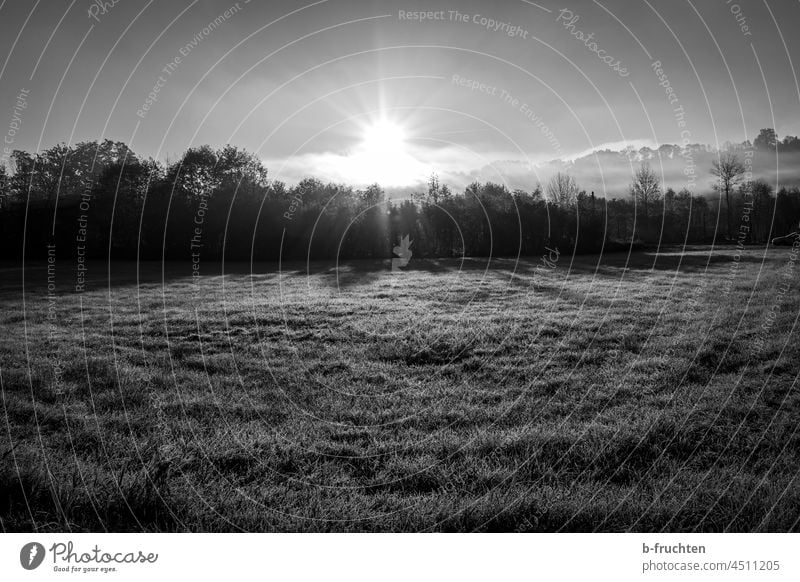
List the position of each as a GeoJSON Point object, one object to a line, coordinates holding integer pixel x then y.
{"type": "Point", "coordinates": [654, 392]}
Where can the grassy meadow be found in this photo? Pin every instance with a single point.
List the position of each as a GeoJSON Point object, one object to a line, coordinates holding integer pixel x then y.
{"type": "Point", "coordinates": [609, 393]}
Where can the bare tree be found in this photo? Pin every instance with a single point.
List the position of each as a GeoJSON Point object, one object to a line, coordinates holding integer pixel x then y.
{"type": "Point", "coordinates": [562, 190]}
{"type": "Point", "coordinates": [729, 172]}
{"type": "Point", "coordinates": [645, 190]}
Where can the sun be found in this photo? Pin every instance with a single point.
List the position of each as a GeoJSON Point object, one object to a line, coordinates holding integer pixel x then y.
{"type": "Point", "coordinates": [384, 137]}
{"type": "Point", "coordinates": [384, 156]}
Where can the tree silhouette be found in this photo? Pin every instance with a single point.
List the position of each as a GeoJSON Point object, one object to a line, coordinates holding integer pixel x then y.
{"type": "Point", "coordinates": [645, 192]}
{"type": "Point", "coordinates": [562, 190]}
{"type": "Point", "coordinates": [766, 140]}
{"type": "Point", "coordinates": [729, 172]}
{"type": "Point", "coordinates": [218, 203]}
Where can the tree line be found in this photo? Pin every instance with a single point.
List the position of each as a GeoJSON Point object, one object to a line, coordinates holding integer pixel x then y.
{"type": "Point", "coordinates": [103, 200]}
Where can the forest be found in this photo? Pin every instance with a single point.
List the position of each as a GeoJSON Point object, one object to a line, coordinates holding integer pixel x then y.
{"type": "Point", "coordinates": [100, 200]}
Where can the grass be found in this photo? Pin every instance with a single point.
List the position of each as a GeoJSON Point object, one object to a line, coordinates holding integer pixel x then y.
{"type": "Point", "coordinates": [607, 394]}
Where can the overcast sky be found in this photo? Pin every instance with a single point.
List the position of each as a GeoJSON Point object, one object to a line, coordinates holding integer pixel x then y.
{"type": "Point", "coordinates": [299, 82]}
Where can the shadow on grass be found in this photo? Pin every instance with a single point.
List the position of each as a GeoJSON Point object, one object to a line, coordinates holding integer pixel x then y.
{"type": "Point", "coordinates": [100, 275]}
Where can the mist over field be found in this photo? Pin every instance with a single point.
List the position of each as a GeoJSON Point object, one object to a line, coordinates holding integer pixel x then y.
{"type": "Point", "coordinates": [608, 172]}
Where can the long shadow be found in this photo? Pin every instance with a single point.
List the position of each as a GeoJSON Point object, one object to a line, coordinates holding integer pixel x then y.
{"type": "Point", "coordinates": [63, 277]}
{"type": "Point", "coordinates": [693, 260]}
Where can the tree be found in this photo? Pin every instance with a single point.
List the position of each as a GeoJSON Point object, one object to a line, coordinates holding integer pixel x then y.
{"type": "Point", "coordinates": [241, 169]}
{"type": "Point", "coordinates": [669, 201]}
{"type": "Point", "coordinates": [437, 192]}
{"type": "Point", "coordinates": [790, 143]}
{"type": "Point", "coordinates": [645, 191]}
{"type": "Point", "coordinates": [118, 198]}
{"type": "Point", "coordinates": [729, 172]}
{"type": "Point", "coordinates": [682, 213]}
{"type": "Point", "coordinates": [433, 189]}
{"type": "Point", "coordinates": [700, 212]}
{"type": "Point", "coordinates": [4, 188]}
{"type": "Point", "coordinates": [619, 219]}
{"type": "Point", "coordinates": [195, 175]}
{"type": "Point", "coordinates": [372, 196]}
{"type": "Point", "coordinates": [20, 184]}
{"type": "Point", "coordinates": [562, 190]}
{"type": "Point", "coordinates": [787, 210]}
{"type": "Point", "coordinates": [766, 140]}
{"type": "Point", "coordinates": [761, 192]}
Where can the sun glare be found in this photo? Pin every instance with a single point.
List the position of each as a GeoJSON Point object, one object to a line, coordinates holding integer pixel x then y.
{"type": "Point", "coordinates": [384, 157]}
{"type": "Point", "coordinates": [384, 137]}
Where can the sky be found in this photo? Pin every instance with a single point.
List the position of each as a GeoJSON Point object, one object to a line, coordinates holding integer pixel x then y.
{"type": "Point", "coordinates": [367, 91]}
